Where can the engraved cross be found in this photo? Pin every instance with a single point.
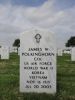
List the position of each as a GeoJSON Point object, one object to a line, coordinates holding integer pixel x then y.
{"type": "Point", "coordinates": [37, 37]}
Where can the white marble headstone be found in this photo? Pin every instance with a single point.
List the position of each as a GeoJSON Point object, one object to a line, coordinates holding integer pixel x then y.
{"type": "Point", "coordinates": [67, 51]}
{"type": "Point", "coordinates": [0, 53]}
{"type": "Point", "coordinates": [59, 52]}
{"type": "Point", "coordinates": [73, 54]}
{"type": "Point", "coordinates": [37, 62]}
{"type": "Point", "coordinates": [19, 51]}
{"type": "Point", "coordinates": [5, 52]}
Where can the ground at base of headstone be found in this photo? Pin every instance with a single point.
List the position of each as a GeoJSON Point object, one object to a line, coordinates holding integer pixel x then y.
{"type": "Point", "coordinates": [9, 80]}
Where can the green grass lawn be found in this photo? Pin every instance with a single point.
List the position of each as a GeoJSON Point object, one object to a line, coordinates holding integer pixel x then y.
{"type": "Point", "coordinates": [9, 81]}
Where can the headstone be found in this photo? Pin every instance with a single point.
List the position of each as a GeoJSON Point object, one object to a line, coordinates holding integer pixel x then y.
{"type": "Point", "coordinates": [59, 52]}
{"type": "Point", "coordinates": [4, 52]}
{"type": "Point", "coordinates": [0, 52]}
{"type": "Point", "coordinates": [67, 51]}
{"type": "Point", "coordinates": [73, 54]}
{"type": "Point", "coordinates": [37, 62]}
{"type": "Point", "coordinates": [13, 49]}
{"type": "Point", "coordinates": [19, 51]}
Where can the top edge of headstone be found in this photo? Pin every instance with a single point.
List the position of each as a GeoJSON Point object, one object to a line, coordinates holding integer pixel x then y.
{"type": "Point", "coordinates": [37, 30]}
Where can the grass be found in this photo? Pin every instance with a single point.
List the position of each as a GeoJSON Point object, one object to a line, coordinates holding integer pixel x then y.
{"type": "Point", "coordinates": [9, 80]}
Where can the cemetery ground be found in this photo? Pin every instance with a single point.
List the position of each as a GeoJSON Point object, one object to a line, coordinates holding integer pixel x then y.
{"type": "Point", "coordinates": [9, 80]}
